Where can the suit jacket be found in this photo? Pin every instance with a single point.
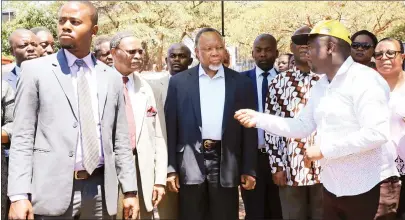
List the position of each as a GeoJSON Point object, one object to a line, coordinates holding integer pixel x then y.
{"type": "Point", "coordinates": [42, 154]}
{"type": "Point", "coordinates": [159, 87]}
{"type": "Point", "coordinates": [150, 144]}
{"type": "Point", "coordinates": [183, 122]}
{"type": "Point", "coordinates": [11, 78]}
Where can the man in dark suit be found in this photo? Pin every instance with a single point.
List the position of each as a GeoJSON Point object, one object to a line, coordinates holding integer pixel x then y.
{"type": "Point", "coordinates": [70, 142]}
{"type": "Point", "coordinates": [263, 202]}
{"type": "Point", "coordinates": [209, 153]}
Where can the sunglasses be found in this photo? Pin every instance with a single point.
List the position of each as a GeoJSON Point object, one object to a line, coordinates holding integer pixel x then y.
{"type": "Point", "coordinates": [390, 54]}
{"type": "Point", "coordinates": [365, 46]}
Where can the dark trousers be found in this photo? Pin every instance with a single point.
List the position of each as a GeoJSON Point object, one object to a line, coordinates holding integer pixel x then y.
{"type": "Point", "coordinates": [378, 203]}
{"type": "Point", "coordinates": [263, 202]}
{"type": "Point", "coordinates": [401, 207]}
{"type": "Point", "coordinates": [209, 200]}
{"type": "Point", "coordinates": [5, 202]}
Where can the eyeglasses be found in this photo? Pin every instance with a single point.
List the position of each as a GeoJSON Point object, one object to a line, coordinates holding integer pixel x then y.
{"type": "Point", "coordinates": [132, 52]}
{"type": "Point", "coordinates": [390, 54]}
{"type": "Point", "coordinates": [365, 46]}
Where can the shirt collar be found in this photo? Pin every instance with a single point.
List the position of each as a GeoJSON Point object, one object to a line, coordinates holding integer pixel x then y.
{"type": "Point", "coordinates": [72, 58]}
{"type": "Point", "coordinates": [17, 70]}
{"type": "Point", "coordinates": [220, 72]}
{"type": "Point", "coordinates": [130, 76]}
{"type": "Point", "coordinates": [259, 72]}
{"type": "Point", "coordinates": [345, 66]}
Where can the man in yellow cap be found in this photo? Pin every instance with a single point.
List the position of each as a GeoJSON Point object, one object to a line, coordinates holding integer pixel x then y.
{"type": "Point", "coordinates": [349, 110]}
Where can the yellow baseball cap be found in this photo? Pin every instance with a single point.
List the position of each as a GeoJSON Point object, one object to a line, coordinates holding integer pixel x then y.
{"type": "Point", "coordinates": [326, 27]}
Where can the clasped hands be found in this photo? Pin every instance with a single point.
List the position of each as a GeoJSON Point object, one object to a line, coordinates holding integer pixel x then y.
{"type": "Point", "coordinates": [248, 182]}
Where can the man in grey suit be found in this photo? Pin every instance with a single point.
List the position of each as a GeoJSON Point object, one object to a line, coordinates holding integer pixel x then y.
{"type": "Point", "coordinates": [70, 143]}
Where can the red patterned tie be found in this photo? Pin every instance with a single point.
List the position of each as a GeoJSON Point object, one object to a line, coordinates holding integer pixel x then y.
{"type": "Point", "coordinates": [130, 114]}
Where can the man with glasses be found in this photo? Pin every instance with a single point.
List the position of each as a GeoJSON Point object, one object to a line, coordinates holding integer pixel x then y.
{"type": "Point", "coordinates": [46, 41]}
{"type": "Point", "coordinates": [210, 153]}
{"type": "Point", "coordinates": [349, 110]}
{"type": "Point", "coordinates": [144, 126]}
{"type": "Point", "coordinates": [102, 51]}
{"type": "Point", "coordinates": [363, 44]}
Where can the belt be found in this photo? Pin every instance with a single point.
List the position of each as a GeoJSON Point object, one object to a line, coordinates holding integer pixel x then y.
{"type": "Point", "coordinates": [262, 150]}
{"type": "Point", "coordinates": [209, 144]}
{"type": "Point", "coordinates": [83, 174]}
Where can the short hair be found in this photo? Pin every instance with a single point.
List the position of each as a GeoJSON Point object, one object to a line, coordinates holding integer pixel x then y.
{"type": "Point", "coordinates": [94, 15]}
{"type": "Point", "coordinates": [36, 30]}
{"type": "Point", "coordinates": [16, 31]}
{"type": "Point", "coordinates": [204, 30]}
{"type": "Point", "coordinates": [365, 32]}
{"type": "Point", "coordinates": [116, 40]}
{"type": "Point", "coordinates": [401, 45]}
{"type": "Point", "coordinates": [286, 54]}
{"type": "Point", "coordinates": [100, 40]}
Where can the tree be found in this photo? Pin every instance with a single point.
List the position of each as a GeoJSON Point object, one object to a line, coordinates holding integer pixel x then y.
{"type": "Point", "coordinates": [28, 15]}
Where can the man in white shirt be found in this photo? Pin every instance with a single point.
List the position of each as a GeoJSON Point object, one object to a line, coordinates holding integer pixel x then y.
{"type": "Point", "coordinates": [144, 126]}
{"type": "Point", "coordinates": [349, 110]}
{"type": "Point", "coordinates": [263, 202]}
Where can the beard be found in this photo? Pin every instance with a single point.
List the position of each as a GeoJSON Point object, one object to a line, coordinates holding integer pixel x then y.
{"type": "Point", "coordinates": [67, 46]}
{"type": "Point", "coordinates": [214, 67]}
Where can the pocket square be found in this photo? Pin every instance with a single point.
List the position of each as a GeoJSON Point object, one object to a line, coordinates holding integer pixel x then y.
{"type": "Point", "coordinates": [151, 112]}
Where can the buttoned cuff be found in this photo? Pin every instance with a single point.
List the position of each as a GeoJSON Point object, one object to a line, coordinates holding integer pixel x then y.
{"type": "Point", "coordinates": [18, 197]}
{"type": "Point", "coordinates": [326, 150]}
{"type": "Point", "coordinates": [258, 120]}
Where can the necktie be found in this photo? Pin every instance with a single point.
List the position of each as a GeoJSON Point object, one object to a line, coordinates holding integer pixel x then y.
{"type": "Point", "coordinates": [130, 115]}
{"type": "Point", "coordinates": [87, 124]}
{"type": "Point", "coordinates": [265, 89]}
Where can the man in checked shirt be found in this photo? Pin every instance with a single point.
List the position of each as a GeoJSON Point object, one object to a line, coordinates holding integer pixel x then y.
{"type": "Point", "coordinates": [298, 180]}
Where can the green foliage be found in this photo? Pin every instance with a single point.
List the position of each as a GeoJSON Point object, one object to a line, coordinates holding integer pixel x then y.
{"type": "Point", "coordinates": [161, 23]}
{"type": "Point", "coordinates": [28, 15]}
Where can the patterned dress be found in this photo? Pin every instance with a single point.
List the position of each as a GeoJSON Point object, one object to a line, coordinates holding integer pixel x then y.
{"type": "Point", "coordinates": [7, 108]}
{"type": "Point", "coordinates": [288, 94]}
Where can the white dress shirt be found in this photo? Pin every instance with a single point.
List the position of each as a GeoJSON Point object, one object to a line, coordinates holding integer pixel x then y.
{"type": "Point", "coordinates": [91, 76]}
{"type": "Point", "coordinates": [90, 72]}
{"type": "Point", "coordinates": [259, 81]}
{"type": "Point", "coordinates": [212, 101]}
{"type": "Point", "coordinates": [351, 116]}
{"type": "Point", "coordinates": [397, 106]}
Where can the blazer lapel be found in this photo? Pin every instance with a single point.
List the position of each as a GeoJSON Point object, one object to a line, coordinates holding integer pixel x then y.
{"type": "Point", "coordinates": [62, 72]}
{"type": "Point", "coordinates": [102, 87]}
{"type": "Point", "coordinates": [195, 94]}
{"type": "Point", "coordinates": [139, 105]}
{"type": "Point", "coordinates": [11, 78]}
{"type": "Point", "coordinates": [229, 98]}
{"type": "Point", "coordinates": [252, 76]}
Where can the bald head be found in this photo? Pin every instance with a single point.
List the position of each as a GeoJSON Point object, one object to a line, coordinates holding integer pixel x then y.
{"type": "Point", "coordinates": [178, 58]}
{"type": "Point", "coordinates": [265, 37]}
{"type": "Point", "coordinates": [265, 51]}
{"type": "Point", "coordinates": [24, 45]}
{"type": "Point", "coordinates": [179, 46]}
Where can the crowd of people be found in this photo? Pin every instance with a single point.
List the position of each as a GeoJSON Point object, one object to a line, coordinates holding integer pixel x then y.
{"type": "Point", "coordinates": [319, 134]}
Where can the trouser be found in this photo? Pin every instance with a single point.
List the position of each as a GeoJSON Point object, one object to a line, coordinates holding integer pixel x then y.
{"type": "Point", "coordinates": [5, 202]}
{"type": "Point", "coordinates": [302, 202]}
{"type": "Point", "coordinates": [401, 207]}
{"type": "Point", "coordinates": [209, 200]}
{"type": "Point", "coordinates": [143, 213]}
{"type": "Point", "coordinates": [88, 201]}
{"type": "Point", "coordinates": [263, 202]}
{"type": "Point", "coordinates": [380, 203]}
